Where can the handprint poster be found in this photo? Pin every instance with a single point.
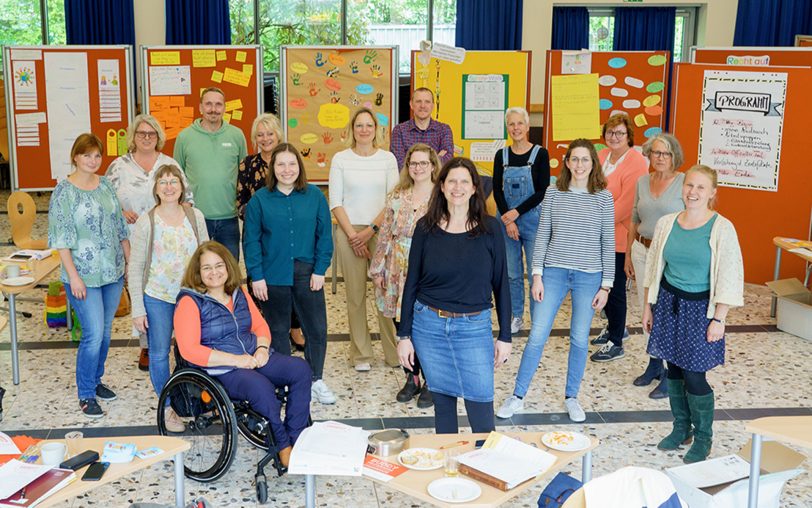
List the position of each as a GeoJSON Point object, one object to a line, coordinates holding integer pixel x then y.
{"type": "Point", "coordinates": [322, 86]}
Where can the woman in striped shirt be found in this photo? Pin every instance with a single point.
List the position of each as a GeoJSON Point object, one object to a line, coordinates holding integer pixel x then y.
{"type": "Point", "coordinates": [574, 252]}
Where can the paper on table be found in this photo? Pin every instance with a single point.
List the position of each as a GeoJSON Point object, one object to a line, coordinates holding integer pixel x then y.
{"type": "Point", "coordinates": [329, 448]}
{"type": "Point", "coordinates": [713, 472]}
{"type": "Point", "coordinates": [508, 459]}
{"type": "Point", "coordinates": [7, 446]}
{"type": "Point", "coordinates": [14, 475]}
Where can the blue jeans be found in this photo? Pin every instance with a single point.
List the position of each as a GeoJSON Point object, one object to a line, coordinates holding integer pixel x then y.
{"type": "Point", "coordinates": [528, 225]}
{"type": "Point", "coordinates": [456, 353]}
{"type": "Point", "coordinates": [227, 232]}
{"type": "Point", "coordinates": [95, 313]}
{"type": "Point", "coordinates": [159, 334]}
{"type": "Point", "coordinates": [557, 283]}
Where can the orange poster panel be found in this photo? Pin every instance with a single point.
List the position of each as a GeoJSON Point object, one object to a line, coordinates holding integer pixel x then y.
{"type": "Point", "coordinates": [754, 56]}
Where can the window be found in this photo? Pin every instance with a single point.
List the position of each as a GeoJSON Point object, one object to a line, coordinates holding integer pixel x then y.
{"type": "Point", "coordinates": [602, 31]}
{"type": "Point", "coordinates": [320, 22]}
{"type": "Point", "coordinates": [21, 22]}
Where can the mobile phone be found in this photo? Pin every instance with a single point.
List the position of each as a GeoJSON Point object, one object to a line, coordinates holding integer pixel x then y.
{"type": "Point", "coordinates": [95, 471]}
{"type": "Point", "coordinates": [80, 460]}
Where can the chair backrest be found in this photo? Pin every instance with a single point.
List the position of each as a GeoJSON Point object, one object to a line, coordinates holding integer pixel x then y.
{"type": "Point", "coordinates": [22, 212]}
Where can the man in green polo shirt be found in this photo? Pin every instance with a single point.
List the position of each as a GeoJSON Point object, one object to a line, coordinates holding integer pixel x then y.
{"type": "Point", "coordinates": [210, 151]}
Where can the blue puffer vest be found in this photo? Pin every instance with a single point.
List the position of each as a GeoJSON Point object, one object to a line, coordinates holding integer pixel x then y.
{"type": "Point", "coordinates": [222, 330]}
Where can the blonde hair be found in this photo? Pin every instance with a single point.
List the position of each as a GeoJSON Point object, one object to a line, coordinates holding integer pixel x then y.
{"type": "Point", "coordinates": [152, 122]}
{"type": "Point", "coordinates": [406, 180]}
{"type": "Point", "coordinates": [712, 175]}
{"type": "Point", "coordinates": [376, 141]}
{"type": "Point", "coordinates": [271, 122]}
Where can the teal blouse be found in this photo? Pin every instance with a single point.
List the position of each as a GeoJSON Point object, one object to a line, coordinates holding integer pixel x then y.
{"type": "Point", "coordinates": [91, 225]}
{"type": "Point", "coordinates": [687, 256]}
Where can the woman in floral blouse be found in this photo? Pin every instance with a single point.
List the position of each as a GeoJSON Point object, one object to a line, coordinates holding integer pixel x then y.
{"type": "Point", "coordinates": [87, 227]}
{"type": "Point", "coordinates": [404, 206]}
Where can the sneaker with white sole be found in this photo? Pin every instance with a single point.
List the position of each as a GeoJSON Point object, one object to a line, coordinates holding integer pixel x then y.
{"type": "Point", "coordinates": [516, 324]}
{"type": "Point", "coordinates": [172, 421]}
{"type": "Point", "coordinates": [510, 406]}
{"type": "Point", "coordinates": [575, 411]}
{"type": "Point", "coordinates": [608, 353]}
{"type": "Point", "coordinates": [603, 337]}
{"type": "Point", "coordinates": [363, 367]}
{"type": "Point", "coordinates": [321, 392]}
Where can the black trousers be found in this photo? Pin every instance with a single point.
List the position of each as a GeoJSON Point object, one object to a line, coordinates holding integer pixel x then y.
{"type": "Point", "coordinates": [616, 304]}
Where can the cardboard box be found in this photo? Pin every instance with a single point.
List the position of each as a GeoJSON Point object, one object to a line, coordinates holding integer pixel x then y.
{"type": "Point", "coordinates": [794, 309]}
{"type": "Point", "coordinates": [778, 464]}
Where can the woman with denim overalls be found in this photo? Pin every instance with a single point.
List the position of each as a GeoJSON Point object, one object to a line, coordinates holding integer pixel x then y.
{"type": "Point", "coordinates": [521, 175]}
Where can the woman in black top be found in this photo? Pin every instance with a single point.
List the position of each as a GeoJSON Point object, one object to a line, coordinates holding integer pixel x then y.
{"type": "Point", "coordinates": [457, 261]}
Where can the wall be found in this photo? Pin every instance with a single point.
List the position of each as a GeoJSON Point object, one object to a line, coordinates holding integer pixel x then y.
{"type": "Point", "coordinates": [538, 29]}
{"type": "Point", "coordinates": [150, 30]}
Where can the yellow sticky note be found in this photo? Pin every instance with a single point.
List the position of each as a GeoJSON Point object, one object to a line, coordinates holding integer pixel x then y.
{"type": "Point", "coordinates": [164, 58]}
{"type": "Point", "coordinates": [576, 112]}
{"type": "Point", "coordinates": [232, 105]}
{"type": "Point", "coordinates": [236, 115]}
{"type": "Point", "coordinates": [248, 69]}
{"type": "Point", "coordinates": [217, 76]}
{"type": "Point", "coordinates": [236, 77]}
{"type": "Point", "coordinates": [221, 55]}
{"type": "Point", "coordinates": [203, 58]}
{"type": "Point", "coordinates": [241, 56]}
{"type": "Point", "coordinates": [640, 120]}
{"type": "Point", "coordinates": [227, 117]}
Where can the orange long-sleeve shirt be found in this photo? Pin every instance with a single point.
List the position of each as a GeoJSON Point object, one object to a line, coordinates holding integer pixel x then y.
{"type": "Point", "coordinates": [622, 183]}
{"type": "Point", "coordinates": [187, 328]}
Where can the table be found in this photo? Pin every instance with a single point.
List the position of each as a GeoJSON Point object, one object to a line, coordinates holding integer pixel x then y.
{"type": "Point", "coordinates": [42, 269]}
{"type": "Point", "coordinates": [782, 243]}
{"type": "Point", "coordinates": [173, 448]}
{"type": "Point", "coordinates": [795, 430]}
{"type": "Point", "coordinates": [414, 483]}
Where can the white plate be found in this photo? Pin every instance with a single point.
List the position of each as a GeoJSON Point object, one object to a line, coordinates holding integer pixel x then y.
{"type": "Point", "coordinates": [424, 462]}
{"type": "Point", "coordinates": [18, 281]}
{"type": "Point", "coordinates": [454, 490]}
{"type": "Point", "coordinates": [566, 441]}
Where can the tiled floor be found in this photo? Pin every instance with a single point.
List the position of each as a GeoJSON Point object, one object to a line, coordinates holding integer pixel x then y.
{"type": "Point", "coordinates": [767, 373]}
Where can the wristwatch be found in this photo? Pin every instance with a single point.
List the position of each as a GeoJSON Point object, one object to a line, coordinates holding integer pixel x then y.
{"type": "Point", "coordinates": [720, 321]}
{"type": "Point", "coordinates": [405, 337]}
{"type": "Point", "coordinates": [375, 228]}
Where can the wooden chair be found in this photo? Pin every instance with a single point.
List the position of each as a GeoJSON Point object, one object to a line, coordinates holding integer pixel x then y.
{"type": "Point", "coordinates": [22, 212]}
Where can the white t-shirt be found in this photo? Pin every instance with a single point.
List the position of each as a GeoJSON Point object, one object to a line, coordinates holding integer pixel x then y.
{"type": "Point", "coordinates": [360, 184]}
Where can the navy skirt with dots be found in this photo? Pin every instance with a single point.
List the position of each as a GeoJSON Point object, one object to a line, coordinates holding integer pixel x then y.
{"type": "Point", "coordinates": [680, 330]}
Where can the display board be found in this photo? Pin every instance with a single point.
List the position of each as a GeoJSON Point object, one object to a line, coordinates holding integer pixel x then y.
{"type": "Point", "coordinates": [55, 93]}
{"type": "Point", "coordinates": [172, 78]}
{"type": "Point", "coordinates": [758, 215]}
{"type": "Point", "coordinates": [322, 86]}
{"type": "Point", "coordinates": [803, 40]}
{"type": "Point", "coordinates": [584, 89]}
{"type": "Point", "coordinates": [753, 56]}
{"type": "Point", "coordinates": [471, 96]}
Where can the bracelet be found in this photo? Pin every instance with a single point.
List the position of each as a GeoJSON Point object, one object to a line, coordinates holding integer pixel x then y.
{"type": "Point", "coordinates": [604, 289]}
{"type": "Point", "coordinates": [720, 321]}
{"type": "Point", "coordinates": [263, 345]}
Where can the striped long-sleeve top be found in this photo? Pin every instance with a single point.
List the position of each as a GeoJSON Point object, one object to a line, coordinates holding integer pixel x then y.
{"type": "Point", "coordinates": [577, 232]}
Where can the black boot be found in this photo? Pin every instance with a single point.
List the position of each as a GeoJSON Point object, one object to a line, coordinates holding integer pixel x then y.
{"type": "Point", "coordinates": [654, 370]}
{"type": "Point", "coordinates": [2, 393]}
{"type": "Point", "coordinates": [424, 400]}
{"type": "Point", "coordinates": [409, 390]}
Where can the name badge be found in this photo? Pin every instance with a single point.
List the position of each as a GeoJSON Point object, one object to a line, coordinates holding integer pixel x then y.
{"type": "Point", "coordinates": [226, 144]}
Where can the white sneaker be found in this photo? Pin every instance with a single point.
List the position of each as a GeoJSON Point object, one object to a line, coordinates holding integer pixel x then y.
{"type": "Point", "coordinates": [516, 324]}
{"type": "Point", "coordinates": [363, 367]}
{"type": "Point", "coordinates": [511, 405]}
{"type": "Point", "coordinates": [575, 410]}
{"type": "Point", "coordinates": [320, 392]}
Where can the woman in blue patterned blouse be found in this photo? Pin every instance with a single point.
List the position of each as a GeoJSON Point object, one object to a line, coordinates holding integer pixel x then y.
{"type": "Point", "coordinates": [87, 227]}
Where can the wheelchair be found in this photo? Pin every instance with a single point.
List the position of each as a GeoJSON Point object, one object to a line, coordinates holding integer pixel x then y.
{"type": "Point", "coordinates": [212, 422]}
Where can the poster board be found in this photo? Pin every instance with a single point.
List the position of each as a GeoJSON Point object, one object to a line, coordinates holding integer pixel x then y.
{"type": "Point", "coordinates": [55, 93]}
{"type": "Point", "coordinates": [472, 96]}
{"type": "Point", "coordinates": [803, 40]}
{"type": "Point", "coordinates": [173, 76]}
{"type": "Point", "coordinates": [322, 86]}
{"type": "Point", "coordinates": [633, 82]}
{"type": "Point", "coordinates": [753, 55]}
{"type": "Point", "coordinates": [758, 215]}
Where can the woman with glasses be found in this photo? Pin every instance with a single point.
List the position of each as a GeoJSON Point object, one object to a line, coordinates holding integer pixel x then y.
{"type": "Point", "coordinates": [404, 206]}
{"type": "Point", "coordinates": [162, 244]}
{"type": "Point", "coordinates": [521, 175]}
{"type": "Point", "coordinates": [658, 193]}
{"type": "Point", "coordinates": [622, 166]}
{"type": "Point", "coordinates": [574, 253]}
{"type": "Point", "coordinates": [133, 177]}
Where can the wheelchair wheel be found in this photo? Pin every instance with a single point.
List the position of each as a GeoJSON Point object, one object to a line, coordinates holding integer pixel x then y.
{"type": "Point", "coordinates": [262, 490]}
{"type": "Point", "coordinates": [251, 425]}
{"type": "Point", "coordinates": [207, 412]}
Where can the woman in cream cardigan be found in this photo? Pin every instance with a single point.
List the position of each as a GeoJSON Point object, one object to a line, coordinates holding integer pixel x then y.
{"type": "Point", "coordinates": [694, 275]}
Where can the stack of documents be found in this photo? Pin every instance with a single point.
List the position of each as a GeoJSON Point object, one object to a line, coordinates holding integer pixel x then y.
{"type": "Point", "coordinates": [504, 462]}
{"type": "Point", "coordinates": [329, 448]}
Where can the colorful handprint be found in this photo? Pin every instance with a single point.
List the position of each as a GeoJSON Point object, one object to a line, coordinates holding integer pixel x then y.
{"type": "Point", "coordinates": [333, 72]}
{"type": "Point", "coordinates": [327, 138]}
{"type": "Point", "coordinates": [378, 99]}
{"type": "Point", "coordinates": [313, 89]}
{"type": "Point", "coordinates": [376, 71]}
{"type": "Point", "coordinates": [354, 67]}
{"type": "Point", "coordinates": [334, 97]}
{"type": "Point", "coordinates": [305, 153]}
{"type": "Point", "coordinates": [296, 79]}
{"type": "Point", "coordinates": [320, 61]}
{"type": "Point", "coordinates": [370, 56]}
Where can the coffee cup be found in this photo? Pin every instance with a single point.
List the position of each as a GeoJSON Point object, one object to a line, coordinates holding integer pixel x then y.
{"type": "Point", "coordinates": [53, 453]}
{"type": "Point", "coordinates": [12, 271]}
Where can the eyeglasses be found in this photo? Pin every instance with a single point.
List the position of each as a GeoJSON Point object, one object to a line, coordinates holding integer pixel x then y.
{"type": "Point", "coordinates": [171, 181]}
{"type": "Point", "coordinates": [616, 134]}
{"type": "Point", "coordinates": [146, 135]}
{"type": "Point", "coordinates": [419, 164]}
{"type": "Point", "coordinates": [209, 268]}
{"type": "Point", "coordinates": [583, 160]}
{"type": "Point", "coordinates": [661, 155]}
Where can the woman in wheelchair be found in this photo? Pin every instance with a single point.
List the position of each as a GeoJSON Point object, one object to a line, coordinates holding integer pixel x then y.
{"type": "Point", "coordinates": [219, 328]}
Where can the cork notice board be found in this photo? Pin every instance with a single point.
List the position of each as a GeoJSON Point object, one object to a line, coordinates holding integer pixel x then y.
{"type": "Point", "coordinates": [322, 86]}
